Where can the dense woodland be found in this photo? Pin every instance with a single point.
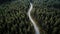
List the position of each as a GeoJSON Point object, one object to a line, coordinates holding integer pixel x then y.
{"type": "Point", "coordinates": [14, 19]}
{"type": "Point", "coordinates": [47, 15]}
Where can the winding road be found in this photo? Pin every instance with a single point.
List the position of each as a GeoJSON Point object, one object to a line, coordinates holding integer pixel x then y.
{"type": "Point", "coordinates": [33, 22]}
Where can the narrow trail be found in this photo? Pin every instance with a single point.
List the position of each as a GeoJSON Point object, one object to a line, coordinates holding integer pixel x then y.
{"type": "Point", "coordinates": [33, 22]}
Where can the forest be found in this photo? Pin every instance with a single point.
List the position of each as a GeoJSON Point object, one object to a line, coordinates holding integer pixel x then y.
{"type": "Point", "coordinates": [14, 19]}
{"type": "Point", "coordinates": [47, 16]}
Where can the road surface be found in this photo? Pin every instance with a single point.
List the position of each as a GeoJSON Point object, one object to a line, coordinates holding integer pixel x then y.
{"type": "Point", "coordinates": [33, 22]}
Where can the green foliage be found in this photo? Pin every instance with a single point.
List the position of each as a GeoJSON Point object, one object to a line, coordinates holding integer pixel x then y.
{"type": "Point", "coordinates": [47, 15]}
{"type": "Point", "coordinates": [14, 20]}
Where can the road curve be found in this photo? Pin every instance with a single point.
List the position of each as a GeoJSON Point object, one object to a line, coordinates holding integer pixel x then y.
{"type": "Point", "coordinates": [33, 22]}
